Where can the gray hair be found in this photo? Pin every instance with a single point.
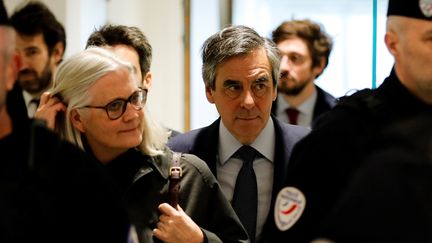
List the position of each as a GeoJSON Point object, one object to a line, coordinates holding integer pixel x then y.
{"type": "Point", "coordinates": [234, 41]}
{"type": "Point", "coordinates": [71, 83]}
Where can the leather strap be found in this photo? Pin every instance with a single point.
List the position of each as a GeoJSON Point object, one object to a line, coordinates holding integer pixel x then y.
{"type": "Point", "coordinates": [175, 176]}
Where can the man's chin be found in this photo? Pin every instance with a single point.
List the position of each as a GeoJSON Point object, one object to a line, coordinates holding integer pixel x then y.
{"type": "Point", "coordinates": [290, 92]}
{"type": "Point", "coordinates": [29, 87]}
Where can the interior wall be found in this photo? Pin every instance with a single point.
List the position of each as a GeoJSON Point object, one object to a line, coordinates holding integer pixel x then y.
{"type": "Point", "coordinates": [162, 23]}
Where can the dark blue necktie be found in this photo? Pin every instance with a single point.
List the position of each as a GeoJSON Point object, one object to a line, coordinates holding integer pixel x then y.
{"type": "Point", "coordinates": [245, 198]}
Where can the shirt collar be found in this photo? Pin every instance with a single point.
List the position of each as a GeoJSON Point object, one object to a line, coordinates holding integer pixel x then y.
{"type": "Point", "coordinates": [264, 143]}
{"type": "Point", "coordinates": [27, 97]}
{"type": "Point", "coordinates": [305, 108]}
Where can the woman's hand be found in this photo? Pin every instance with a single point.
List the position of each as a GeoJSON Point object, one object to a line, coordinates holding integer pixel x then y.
{"type": "Point", "coordinates": [176, 226]}
{"type": "Point", "coordinates": [49, 107]}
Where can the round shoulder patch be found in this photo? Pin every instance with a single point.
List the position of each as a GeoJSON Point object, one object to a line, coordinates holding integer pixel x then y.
{"type": "Point", "coordinates": [290, 203]}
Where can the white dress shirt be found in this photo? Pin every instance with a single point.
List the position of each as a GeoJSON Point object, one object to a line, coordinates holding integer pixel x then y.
{"type": "Point", "coordinates": [31, 106]}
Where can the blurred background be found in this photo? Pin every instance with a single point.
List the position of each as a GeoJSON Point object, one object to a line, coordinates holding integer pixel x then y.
{"type": "Point", "coordinates": [176, 30]}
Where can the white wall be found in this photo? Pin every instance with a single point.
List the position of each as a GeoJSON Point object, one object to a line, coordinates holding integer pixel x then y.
{"type": "Point", "coordinates": [161, 21]}
{"type": "Point", "coordinates": [204, 23]}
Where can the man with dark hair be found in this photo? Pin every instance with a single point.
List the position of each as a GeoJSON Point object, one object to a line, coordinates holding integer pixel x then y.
{"type": "Point", "coordinates": [131, 44]}
{"type": "Point", "coordinates": [50, 191]}
{"type": "Point", "coordinates": [128, 42]}
{"type": "Point", "coordinates": [41, 43]}
{"type": "Point", "coordinates": [247, 149]}
{"type": "Point", "coordinates": [305, 49]}
{"type": "Point", "coordinates": [324, 162]}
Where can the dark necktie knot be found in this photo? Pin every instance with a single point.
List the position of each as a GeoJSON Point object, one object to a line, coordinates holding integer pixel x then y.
{"type": "Point", "coordinates": [292, 115]}
{"type": "Point", "coordinates": [247, 154]}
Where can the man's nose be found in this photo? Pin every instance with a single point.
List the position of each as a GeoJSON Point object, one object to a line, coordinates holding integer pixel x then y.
{"type": "Point", "coordinates": [285, 64]}
{"type": "Point", "coordinates": [248, 98]}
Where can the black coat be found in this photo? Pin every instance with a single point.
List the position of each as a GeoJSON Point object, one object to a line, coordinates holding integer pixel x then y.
{"type": "Point", "coordinates": [389, 198]}
{"type": "Point", "coordinates": [50, 188]}
{"type": "Point", "coordinates": [51, 191]}
{"type": "Point", "coordinates": [324, 161]}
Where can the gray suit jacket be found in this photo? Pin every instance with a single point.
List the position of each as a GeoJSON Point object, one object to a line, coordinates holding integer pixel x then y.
{"type": "Point", "coordinates": [203, 143]}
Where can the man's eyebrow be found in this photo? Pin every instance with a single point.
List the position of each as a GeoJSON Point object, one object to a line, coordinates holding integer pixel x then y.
{"type": "Point", "coordinates": [31, 48]}
{"type": "Point", "coordinates": [230, 82]}
{"type": "Point", "coordinates": [262, 79]}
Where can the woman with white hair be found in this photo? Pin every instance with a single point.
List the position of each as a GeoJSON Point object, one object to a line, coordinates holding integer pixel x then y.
{"type": "Point", "coordinates": [96, 102]}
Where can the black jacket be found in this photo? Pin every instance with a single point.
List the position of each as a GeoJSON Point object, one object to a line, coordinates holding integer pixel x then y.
{"type": "Point", "coordinates": [324, 161]}
{"type": "Point", "coordinates": [51, 191]}
{"type": "Point", "coordinates": [388, 199]}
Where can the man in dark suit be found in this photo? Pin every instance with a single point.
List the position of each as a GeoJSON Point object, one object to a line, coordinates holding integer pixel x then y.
{"type": "Point", "coordinates": [305, 49]}
{"type": "Point", "coordinates": [41, 43]}
{"type": "Point", "coordinates": [240, 71]}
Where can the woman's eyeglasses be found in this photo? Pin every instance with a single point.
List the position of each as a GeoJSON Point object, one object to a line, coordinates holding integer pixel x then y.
{"type": "Point", "coordinates": [116, 108]}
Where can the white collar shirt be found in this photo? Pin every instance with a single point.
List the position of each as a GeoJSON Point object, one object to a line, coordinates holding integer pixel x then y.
{"type": "Point", "coordinates": [229, 167]}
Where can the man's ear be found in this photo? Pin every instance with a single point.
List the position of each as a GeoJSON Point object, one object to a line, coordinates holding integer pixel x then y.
{"type": "Point", "coordinates": [320, 67]}
{"type": "Point", "coordinates": [391, 40]}
{"type": "Point", "coordinates": [147, 80]}
{"type": "Point", "coordinates": [275, 93]}
{"type": "Point", "coordinates": [209, 94]}
{"type": "Point", "coordinates": [57, 53]}
{"type": "Point", "coordinates": [76, 121]}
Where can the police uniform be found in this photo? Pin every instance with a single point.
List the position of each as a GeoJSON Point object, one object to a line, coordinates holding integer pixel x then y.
{"type": "Point", "coordinates": [323, 163]}
{"type": "Point", "coordinates": [388, 198]}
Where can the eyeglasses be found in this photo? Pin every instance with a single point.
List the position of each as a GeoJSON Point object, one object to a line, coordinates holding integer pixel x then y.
{"type": "Point", "coordinates": [116, 108]}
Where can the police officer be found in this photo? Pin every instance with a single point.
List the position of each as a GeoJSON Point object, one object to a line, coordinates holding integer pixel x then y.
{"type": "Point", "coordinates": [322, 164]}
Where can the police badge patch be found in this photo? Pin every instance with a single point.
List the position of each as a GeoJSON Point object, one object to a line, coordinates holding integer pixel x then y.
{"type": "Point", "coordinates": [426, 7]}
{"type": "Point", "coordinates": [290, 203]}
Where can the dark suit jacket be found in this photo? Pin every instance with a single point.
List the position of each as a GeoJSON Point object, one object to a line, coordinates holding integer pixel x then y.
{"type": "Point", "coordinates": [324, 102]}
{"type": "Point", "coordinates": [204, 143]}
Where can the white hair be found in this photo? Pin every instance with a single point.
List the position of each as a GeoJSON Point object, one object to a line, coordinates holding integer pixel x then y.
{"type": "Point", "coordinates": [72, 81]}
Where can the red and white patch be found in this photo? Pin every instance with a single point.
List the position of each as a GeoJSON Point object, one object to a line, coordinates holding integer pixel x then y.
{"type": "Point", "coordinates": [290, 203]}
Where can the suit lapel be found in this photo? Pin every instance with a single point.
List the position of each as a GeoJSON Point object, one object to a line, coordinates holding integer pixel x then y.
{"type": "Point", "coordinates": [206, 145]}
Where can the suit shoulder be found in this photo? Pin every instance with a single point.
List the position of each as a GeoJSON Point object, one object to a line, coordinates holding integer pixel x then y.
{"type": "Point", "coordinates": [328, 98]}
{"type": "Point", "coordinates": [292, 131]}
{"type": "Point", "coordinates": [183, 142]}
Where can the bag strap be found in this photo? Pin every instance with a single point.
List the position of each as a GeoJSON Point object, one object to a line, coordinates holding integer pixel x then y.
{"type": "Point", "coordinates": [175, 175]}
